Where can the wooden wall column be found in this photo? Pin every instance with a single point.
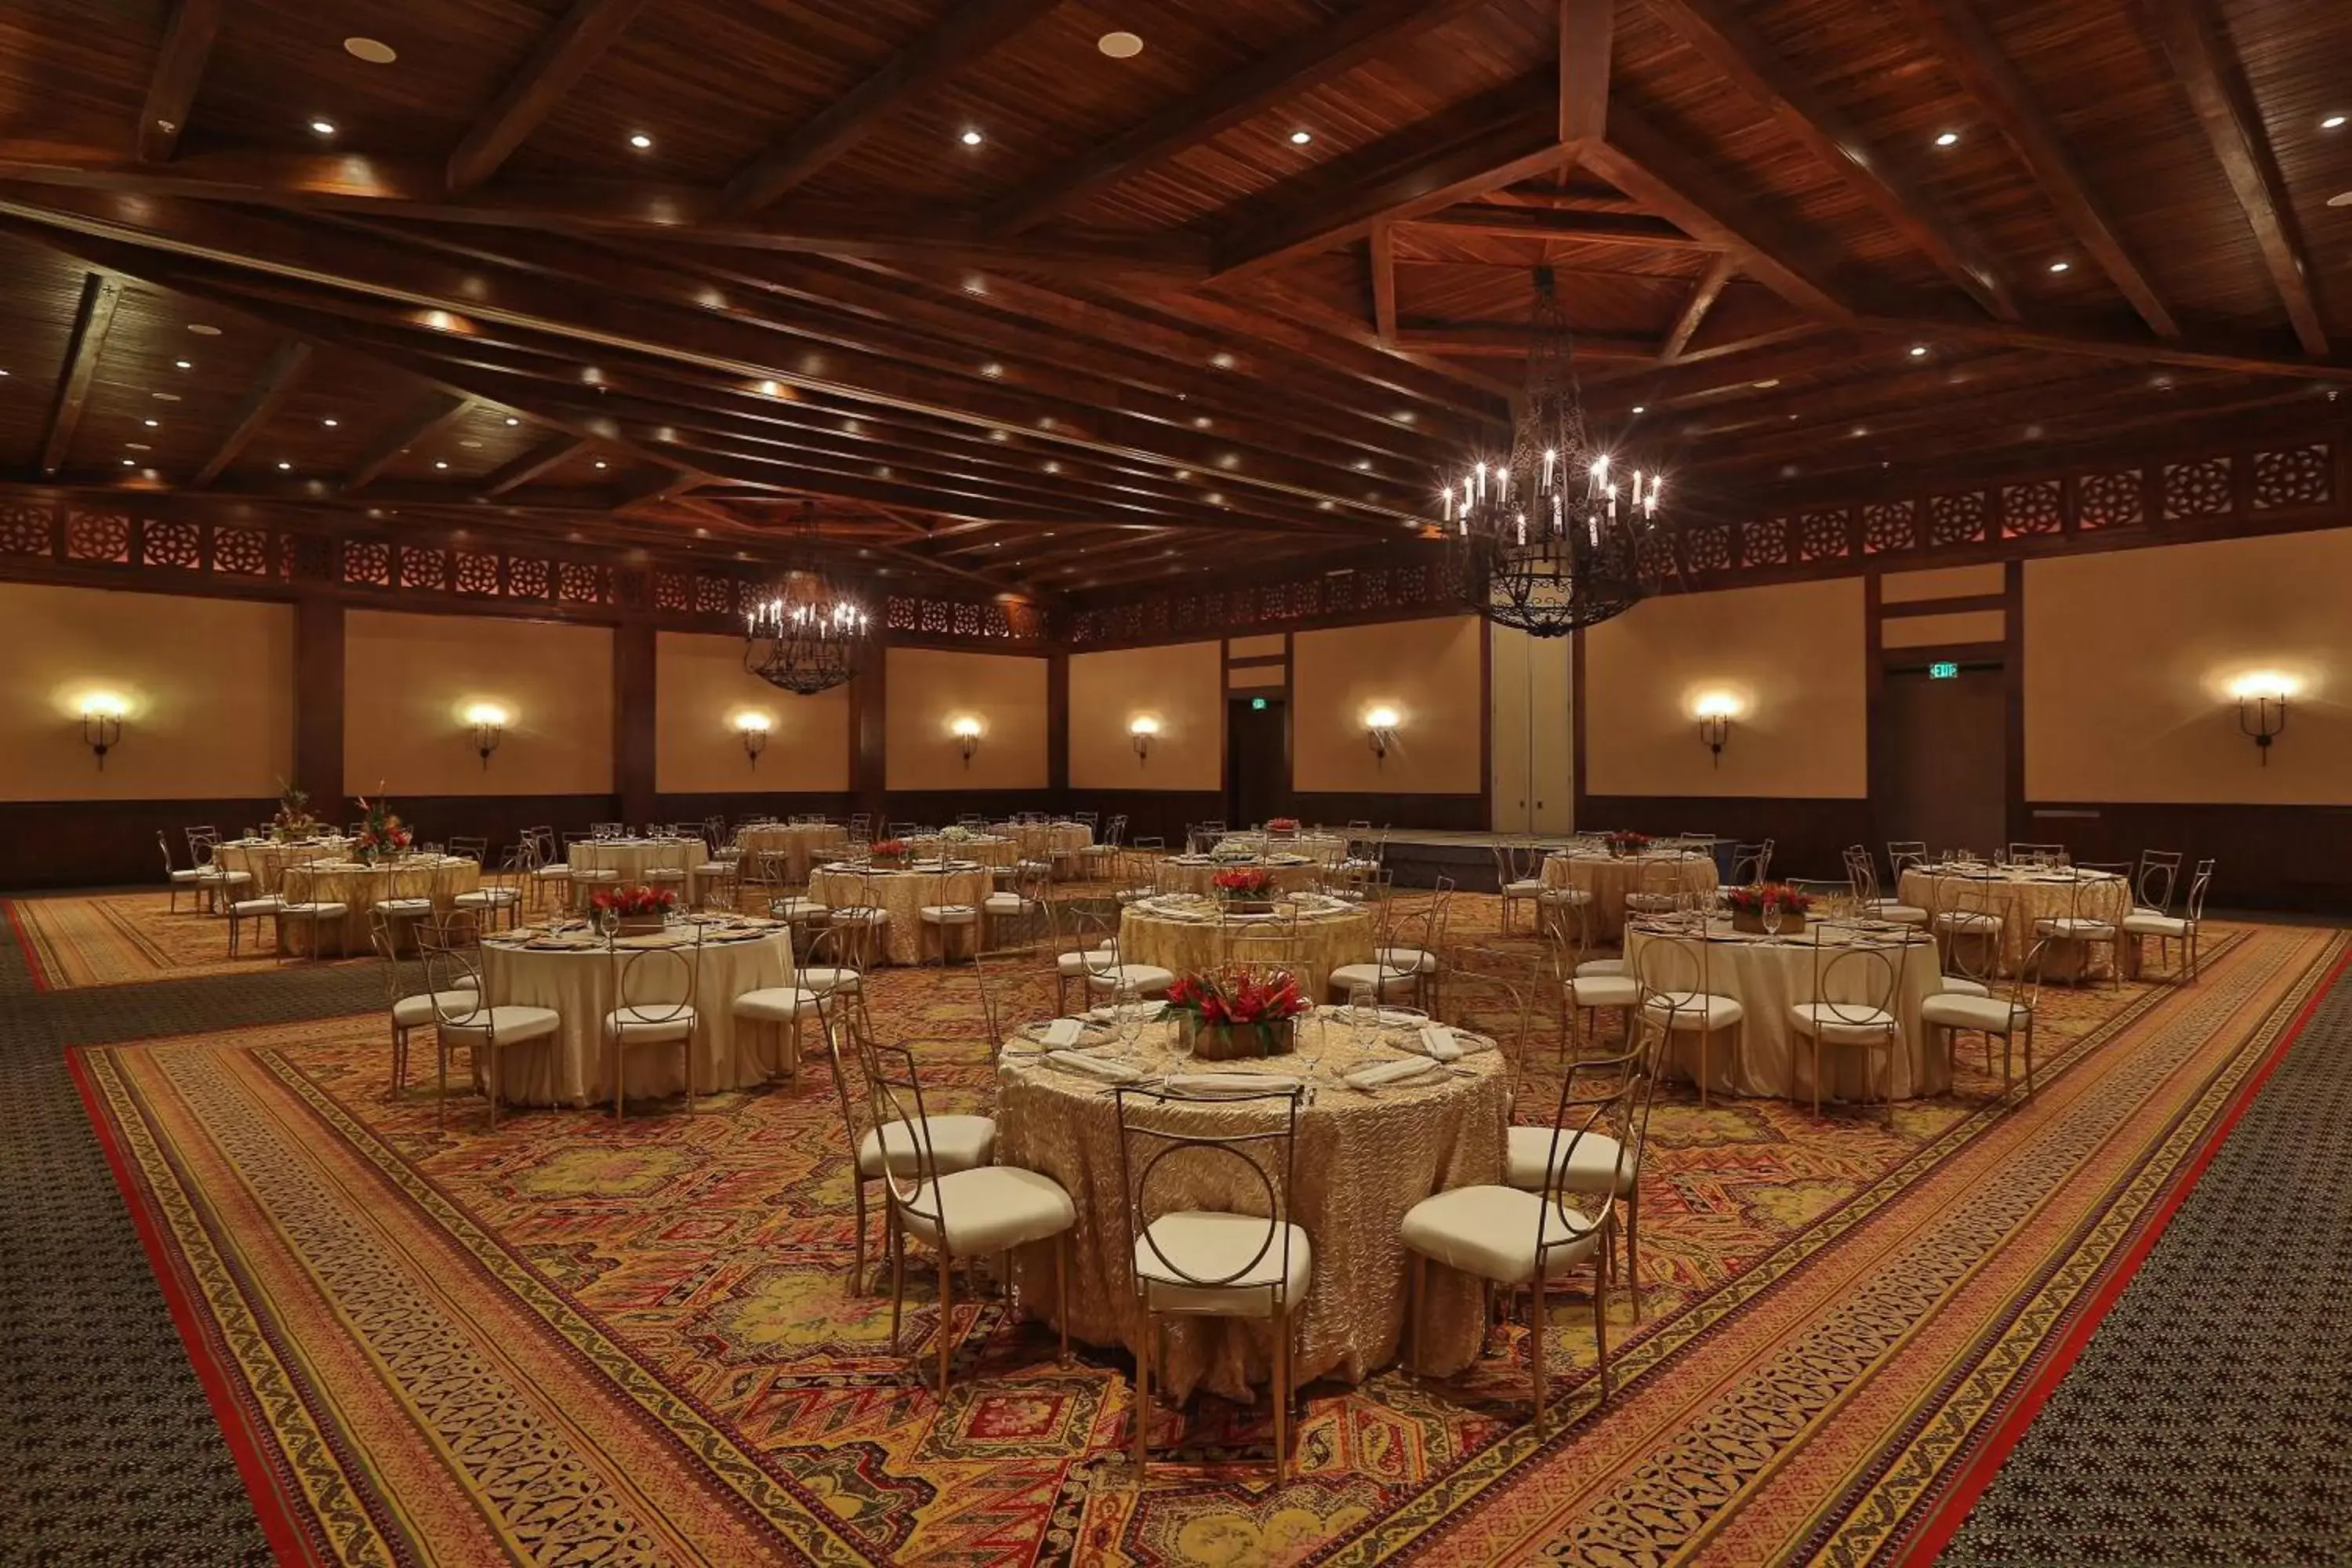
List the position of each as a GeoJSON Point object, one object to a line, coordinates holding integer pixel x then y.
{"type": "Point", "coordinates": [632, 720]}
{"type": "Point", "coordinates": [319, 703]}
{"type": "Point", "coordinates": [1058, 727]}
{"type": "Point", "coordinates": [869, 777]}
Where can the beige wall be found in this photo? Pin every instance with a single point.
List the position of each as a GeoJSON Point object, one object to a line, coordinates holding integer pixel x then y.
{"type": "Point", "coordinates": [1792, 655]}
{"type": "Point", "coordinates": [1949, 630]}
{"type": "Point", "coordinates": [1429, 671]}
{"type": "Point", "coordinates": [700, 688]}
{"type": "Point", "coordinates": [1180, 685]}
{"type": "Point", "coordinates": [2129, 656]}
{"type": "Point", "coordinates": [407, 680]}
{"type": "Point", "coordinates": [928, 688]}
{"type": "Point", "coordinates": [1942, 582]}
{"type": "Point", "coordinates": [209, 684]}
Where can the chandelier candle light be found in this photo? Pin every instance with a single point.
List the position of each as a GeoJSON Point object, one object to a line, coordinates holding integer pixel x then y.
{"type": "Point", "coordinates": [805, 633]}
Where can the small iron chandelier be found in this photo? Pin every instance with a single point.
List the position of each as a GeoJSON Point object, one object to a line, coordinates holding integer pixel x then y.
{"type": "Point", "coordinates": [803, 633]}
{"type": "Point", "coordinates": [1552, 536]}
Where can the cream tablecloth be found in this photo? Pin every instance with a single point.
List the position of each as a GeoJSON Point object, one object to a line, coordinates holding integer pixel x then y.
{"type": "Point", "coordinates": [802, 842]}
{"type": "Point", "coordinates": [1772, 1059]}
{"type": "Point", "coordinates": [634, 859]}
{"type": "Point", "coordinates": [904, 894]}
{"type": "Point", "coordinates": [1609, 879]}
{"type": "Point", "coordinates": [1044, 840]}
{"type": "Point", "coordinates": [266, 859]}
{"type": "Point", "coordinates": [1182, 933]}
{"type": "Point", "coordinates": [1198, 873]}
{"type": "Point", "coordinates": [360, 888]}
{"type": "Point", "coordinates": [1361, 1161]}
{"type": "Point", "coordinates": [574, 1066]}
{"type": "Point", "coordinates": [988, 849]}
{"type": "Point", "coordinates": [2020, 898]}
{"type": "Point", "coordinates": [1328, 847]}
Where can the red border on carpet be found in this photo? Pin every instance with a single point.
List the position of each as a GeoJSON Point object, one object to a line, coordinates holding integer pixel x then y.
{"type": "Point", "coordinates": [287, 1539]}
{"type": "Point", "coordinates": [1977, 1472]}
{"type": "Point", "coordinates": [25, 945]}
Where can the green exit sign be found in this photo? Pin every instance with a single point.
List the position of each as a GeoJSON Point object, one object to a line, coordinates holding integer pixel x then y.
{"type": "Point", "coordinates": [1258, 704]}
{"type": "Point", "coordinates": [1944, 669]}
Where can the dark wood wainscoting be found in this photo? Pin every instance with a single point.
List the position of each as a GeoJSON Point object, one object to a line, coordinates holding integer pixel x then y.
{"type": "Point", "coordinates": [1809, 835]}
{"type": "Point", "coordinates": [1438, 813]}
{"type": "Point", "coordinates": [939, 807]}
{"type": "Point", "coordinates": [108, 843]}
{"type": "Point", "coordinates": [2289, 858]}
{"type": "Point", "coordinates": [1153, 813]}
{"type": "Point", "coordinates": [735, 807]}
{"type": "Point", "coordinates": [500, 818]}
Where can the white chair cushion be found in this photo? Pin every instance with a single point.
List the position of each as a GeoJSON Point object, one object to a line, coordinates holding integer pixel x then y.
{"type": "Point", "coordinates": [1842, 1022]}
{"type": "Point", "coordinates": [1604, 991]}
{"type": "Point", "coordinates": [2072, 926]}
{"type": "Point", "coordinates": [1149, 979]}
{"type": "Point", "coordinates": [2140, 923]}
{"type": "Point", "coordinates": [988, 1209]}
{"type": "Point", "coordinates": [1565, 896]}
{"type": "Point", "coordinates": [479, 898]}
{"type": "Point", "coordinates": [551, 873]}
{"type": "Point", "coordinates": [1070, 965]}
{"type": "Point", "coordinates": [715, 868]}
{"type": "Point", "coordinates": [1387, 982]}
{"type": "Point", "coordinates": [1592, 966]}
{"type": "Point", "coordinates": [1590, 1161]}
{"type": "Point", "coordinates": [666, 874]}
{"type": "Point", "coordinates": [187, 876]}
{"type": "Point", "coordinates": [314, 911]}
{"type": "Point", "coordinates": [1968, 920]}
{"type": "Point", "coordinates": [1693, 1010]}
{"type": "Point", "coordinates": [1991, 1014]}
{"type": "Point", "coordinates": [957, 1143]}
{"type": "Point", "coordinates": [1491, 1232]}
{"type": "Point", "coordinates": [1007, 904]}
{"type": "Point", "coordinates": [795, 909]}
{"type": "Point", "coordinates": [861, 915]}
{"type": "Point", "coordinates": [775, 1004]}
{"type": "Point", "coordinates": [609, 874]}
{"type": "Point", "coordinates": [511, 1025]}
{"type": "Point", "coordinates": [651, 1025]}
{"type": "Point", "coordinates": [410, 906]}
{"type": "Point", "coordinates": [1961, 985]}
{"type": "Point", "coordinates": [415, 1012]}
{"type": "Point", "coordinates": [823, 979]}
{"type": "Point", "coordinates": [214, 874]}
{"type": "Point", "coordinates": [1411, 960]}
{"type": "Point", "coordinates": [1900, 914]}
{"type": "Point", "coordinates": [1526, 887]}
{"type": "Point", "coordinates": [248, 907]}
{"type": "Point", "coordinates": [1224, 1246]}
{"type": "Point", "coordinates": [949, 915]}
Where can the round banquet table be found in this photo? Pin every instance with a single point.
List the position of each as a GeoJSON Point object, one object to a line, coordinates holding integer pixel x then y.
{"type": "Point", "coordinates": [801, 843]}
{"type": "Point", "coordinates": [564, 967]}
{"type": "Point", "coordinates": [1182, 932]}
{"type": "Point", "coordinates": [635, 858]}
{"type": "Point", "coordinates": [1045, 840]}
{"type": "Point", "coordinates": [1324, 847]}
{"type": "Point", "coordinates": [1766, 1058]}
{"type": "Point", "coordinates": [986, 849]}
{"type": "Point", "coordinates": [266, 859]}
{"type": "Point", "coordinates": [1608, 878]}
{"type": "Point", "coordinates": [903, 893]}
{"type": "Point", "coordinates": [1361, 1161]}
{"type": "Point", "coordinates": [360, 888]}
{"type": "Point", "coordinates": [1198, 873]}
{"type": "Point", "coordinates": [2018, 898]}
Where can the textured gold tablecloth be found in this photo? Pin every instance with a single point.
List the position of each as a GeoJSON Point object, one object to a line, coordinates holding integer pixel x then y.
{"type": "Point", "coordinates": [635, 857]}
{"type": "Point", "coordinates": [360, 888]}
{"type": "Point", "coordinates": [1044, 840]}
{"type": "Point", "coordinates": [904, 894]}
{"type": "Point", "coordinates": [1179, 873]}
{"type": "Point", "coordinates": [1609, 879]}
{"type": "Point", "coordinates": [266, 862]}
{"type": "Point", "coordinates": [1362, 1162]}
{"type": "Point", "coordinates": [803, 843]}
{"type": "Point", "coordinates": [1153, 932]}
{"type": "Point", "coordinates": [993, 849]}
{"type": "Point", "coordinates": [2018, 899]}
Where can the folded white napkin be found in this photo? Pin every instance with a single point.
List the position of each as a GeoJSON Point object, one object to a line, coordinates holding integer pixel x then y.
{"type": "Point", "coordinates": [1373, 1078]}
{"type": "Point", "coordinates": [1150, 1009]}
{"type": "Point", "coordinates": [1094, 1066]}
{"type": "Point", "coordinates": [1229, 1085]}
{"type": "Point", "coordinates": [1437, 1043]}
{"type": "Point", "coordinates": [1064, 1032]}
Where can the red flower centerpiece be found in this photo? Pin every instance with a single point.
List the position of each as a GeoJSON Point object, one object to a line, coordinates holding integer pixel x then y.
{"type": "Point", "coordinates": [380, 832]}
{"type": "Point", "coordinates": [1246, 1012]}
{"type": "Point", "coordinates": [891, 849]}
{"type": "Point", "coordinates": [635, 911]}
{"type": "Point", "coordinates": [1245, 889]}
{"type": "Point", "coordinates": [1282, 824]}
{"type": "Point", "coordinates": [1747, 905]}
{"type": "Point", "coordinates": [1621, 844]}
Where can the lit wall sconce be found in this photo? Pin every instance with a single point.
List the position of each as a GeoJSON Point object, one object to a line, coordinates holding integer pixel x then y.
{"type": "Point", "coordinates": [1715, 711]}
{"type": "Point", "coordinates": [2262, 707]}
{"type": "Point", "coordinates": [754, 729]}
{"type": "Point", "coordinates": [966, 731]}
{"type": "Point", "coordinates": [1380, 728]}
{"type": "Point", "coordinates": [1143, 732]}
{"type": "Point", "coordinates": [490, 723]}
{"type": "Point", "coordinates": [101, 723]}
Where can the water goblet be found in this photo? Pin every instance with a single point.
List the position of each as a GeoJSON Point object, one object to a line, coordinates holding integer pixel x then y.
{"type": "Point", "coordinates": [1771, 917]}
{"type": "Point", "coordinates": [1363, 1014]}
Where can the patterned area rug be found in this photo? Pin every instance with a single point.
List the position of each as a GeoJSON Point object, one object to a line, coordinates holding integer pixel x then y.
{"type": "Point", "coordinates": [581, 1342]}
{"type": "Point", "coordinates": [128, 939]}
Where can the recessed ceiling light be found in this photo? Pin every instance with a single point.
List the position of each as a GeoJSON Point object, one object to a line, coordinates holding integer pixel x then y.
{"type": "Point", "coordinates": [600, 463]}
{"type": "Point", "coordinates": [2333, 122]}
{"type": "Point", "coordinates": [323, 128]}
{"type": "Point", "coordinates": [1222, 361]}
{"type": "Point", "coordinates": [441, 462]}
{"type": "Point", "coordinates": [2341, 199]}
{"type": "Point", "coordinates": [1640, 408]}
{"type": "Point", "coordinates": [1948, 138]}
{"type": "Point", "coordinates": [166, 396]}
{"type": "Point", "coordinates": [286, 466]}
{"type": "Point", "coordinates": [185, 364]}
{"type": "Point", "coordinates": [1120, 45]}
{"type": "Point", "coordinates": [331, 424]}
{"type": "Point", "coordinates": [374, 50]}
{"type": "Point", "coordinates": [204, 330]}
{"type": "Point", "coordinates": [1768, 384]}
{"type": "Point", "coordinates": [151, 424]}
{"type": "Point", "coordinates": [129, 462]}
{"type": "Point", "coordinates": [1301, 138]}
{"type": "Point", "coordinates": [137, 446]}
{"type": "Point", "coordinates": [640, 140]}
{"type": "Point", "coordinates": [970, 139]}
{"type": "Point", "coordinates": [1918, 351]}
{"type": "Point", "coordinates": [3, 373]}
{"type": "Point", "coordinates": [2060, 265]}
{"type": "Point", "coordinates": [1200, 422]}
{"type": "Point", "coordinates": [512, 420]}
{"type": "Point", "coordinates": [1363, 465]}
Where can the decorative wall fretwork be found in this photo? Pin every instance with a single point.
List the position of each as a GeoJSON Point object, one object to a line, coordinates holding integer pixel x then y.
{"type": "Point", "coordinates": [1386, 591]}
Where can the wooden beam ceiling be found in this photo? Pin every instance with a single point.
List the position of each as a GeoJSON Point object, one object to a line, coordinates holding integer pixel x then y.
{"type": "Point", "coordinates": [531, 465]}
{"type": "Point", "coordinates": [1381, 251]}
{"type": "Point", "coordinates": [179, 69]}
{"type": "Point", "coordinates": [1702, 296]}
{"type": "Point", "coordinates": [565, 55]}
{"type": "Point", "coordinates": [429, 418]}
{"type": "Point", "coordinates": [278, 379]}
{"type": "Point", "coordinates": [1588, 31]}
{"type": "Point", "coordinates": [93, 319]}
{"type": "Point", "coordinates": [1568, 228]}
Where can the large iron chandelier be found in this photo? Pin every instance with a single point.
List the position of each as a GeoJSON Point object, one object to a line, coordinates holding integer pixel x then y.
{"type": "Point", "coordinates": [804, 632]}
{"type": "Point", "coordinates": [1551, 537]}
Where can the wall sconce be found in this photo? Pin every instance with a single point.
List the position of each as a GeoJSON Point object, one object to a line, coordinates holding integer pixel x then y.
{"type": "Point", "coordinates": [1715, 711]}
{"type": "Point", "coordinates": [967, 737]}
{"type": "Point", "coordinates": [1143, 732]}
{"type": "Point", "coordinates": [2262, 707]}
{"type": "Point", "coordinates": [1380, 728]}
{"type": "Point", "coordinates": [489, 722]}
{"type": "Point", "coordinates": [754, 729]}
{"type": "Point", "coordinates": [101, 723]}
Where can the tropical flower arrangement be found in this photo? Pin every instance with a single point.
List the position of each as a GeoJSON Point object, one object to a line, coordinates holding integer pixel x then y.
{"type": "Point", "coordinates": [380, 831]}
{"type": "Point", "coordinates": [1243, 883]}
{"type": "Point", "coordinates": [1282, 824]}
{"type": "Point", "coordinates": [293, 820]}
{"type": "Point", "coordinates": [1623, 843]}
{"type": "Point", "coordinates": [1246, 1014]}
{"type": "Point", "coordinates": [634, 903]}
{"type": "Point", "coordinates": [1748, 904]}
{"type": "Point", "coordinates": [889, 849]}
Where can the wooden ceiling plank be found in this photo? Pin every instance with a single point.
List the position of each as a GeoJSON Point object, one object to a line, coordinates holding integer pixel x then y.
{"type": "Point", "coordinates": [539, 460]}
{"type": "Point", "coordinates": [1642, 160]}
{"type": "Point", "coordinates": [1568, 227]}
{"type": "Point", "coordinates": [2252, 357]}
{"type": "Point", "coordinates": [1511, 340]}
{"type": "Point", "coordinates": [1702, 296]}
{"type": "Point", "coordinates": [565, 55]}
{"type": "Point", "coordinates": [1739, 51]}
{"type": "Point", "coordinates": [93, 319]}
{"type": "Point", "coordinates": [1963, 43]}
{"type": "Point", "coordinates": [434, 414]}
{"type": "Point", "coordinates": [1381, 250]}
{"type": "Point", "coordinates": [1319, 329]}
{"type": "Point", "coordinates": [179, 69]}
{"type": "Point", "coordinates": [2197, 44]}
{"type": "Point", "coordinates": [1315, 57]}
{"type": "Point", "coordinates": [1588, 31]}
{"type": "Point", "coordinates": [278, 379]}
{"type": "Point", "coordinates": [970, 30]}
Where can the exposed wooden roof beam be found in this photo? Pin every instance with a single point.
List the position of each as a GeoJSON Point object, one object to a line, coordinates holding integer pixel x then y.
{"type": "Point", "coordinates": [1960, 39]}
{"type": "Point", "coordinates": [1322, 54]}
{"type": "Point", "coordinates": [435, 414]}
{"type": "Point", "coordinates": [970, 30]}
{"type": "Point", "coordinates": [1319, 329]}
{"type": "Point", "coordinates": [541, 459]}
{"type": "Point", "coordinates": [1571, 227]}
{"type": "Point", "coordinates": [179, 67]}
{"type": "Point", "coordinates": [93, 318]}
{"type": "Point", "coordinates": [2198, 46]}
{"type": "Point", "coordinates": [1702, 296]}
{"type": "Point", "coordinates": [1588, 31]}
{"type": "Point", "coordinates": [277, 378]}
{"type": "Point", "coordinates": [1510, 339]}
{"type": "Point", "coordinates": [1380, 252]}
{"type": "Point", "coordinates": [1739, 51]}
{"type": "Point", "coordinates": [565, 55]}
{"type": "Point", "coordinates": [2257, 357]}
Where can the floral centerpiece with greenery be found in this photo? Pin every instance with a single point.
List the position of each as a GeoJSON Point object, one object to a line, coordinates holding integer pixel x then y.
{"type": "Point", "coordinates": [1623, 843]}
{"type": "Point", "coordinates": [1245, 889]}
{"type": "Point", "coordinates": [1244, 1013]}
{"type": "Point", "coordinates": [889, 849]}
{"type": "Point", "coordinates": [957, 835]}
{"type": "Point", "coordinates": [1748, 904]}
{"type": "Point", "coordinates": [634, 908]}
{"type": "Point", "coordinates": [293, 820]}
{"type": "Point", "coordinates": [1233, 850]}
{"type": "Point", "coordinates": [382, 832]}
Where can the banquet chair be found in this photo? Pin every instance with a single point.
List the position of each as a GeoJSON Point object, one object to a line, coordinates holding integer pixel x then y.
{"type": "Point", "coordinates": [585, 880]}
{"type": "Point", "coordinates": [2156, 881]}
{"type": "Point", "coordinates": [1658, 886]}
{"type": "Point", "coordinates": [1395, 969]}
{"type": "Point", "coordinates": [1518, 877]}
{"type": "Point", "coordinates": [497, 895]}
{"type": "Point", "coordinates": [1862, 878]}
{"type": "Point", "coordinates": [259, 908]}
{"type": "Point", "coordinates": [315, 914]}
{"type": "Point", "coordinates": [1260, 943]}
{"type": "Point", "coordinates": [465, 1018]}
{"type": "Point", "coordinates": [176, 877]}
{"type": "Point", "coordinates": [1138, 870]}
{"type": "Point", "coordinates": [2041, 854]}
{"type": "Point", "coordinates": [1583, 987]}
{"type": "Point", "coordinates": [1014, 917]}
{"type": "Point", "coordinates": [1968, 932]}
{"type": "Point", "coordinates": [969, 1211]}
{"type": "Point", "coordinates": [2098, 903]}
{"type": "Point", "coordinates": [1906, 855]}
{"type": "Point", "coordinates": [1425, 957]}
{"type": "Point", "coordinates": [1102, 966]}
{"type": "Point", "coordinates": [862, 917]}
{"type": "Point", "coordinates": [1085, 944]}
{"type": "Point", "coordinates": [1531, 1238]}
{"type": "Point", "coordinates": [1750, 864]}
{"type": "Point", "coordinates": [2009, 1015]}
{"type": "Point", "coordinates": [1851, 1007]}
{"type": "Point", "coordinates": [640, 1016]}
{"type": "Point", "coordinates": [551, 874]}
{"type": "Point", "coordinates": [409, 1009]}
{"type": "Point", "coordinates": [1675, 975]}
{"type": "Point", "coordinates": [945, 915]}
{"type": "Point", "coordinates": [1102, 858]}
{"type": "Point", "coordinates": [1212, 1262]}
{"type": "Point", "coordinates": [2184, 929]}
{"type": "Point", "coordinates": [716, 887]}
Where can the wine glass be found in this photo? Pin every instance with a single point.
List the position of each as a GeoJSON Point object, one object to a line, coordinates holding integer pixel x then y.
{"type": "Point", "coordinates": [1180, 1047]}
{"type": "Point", "coordinates": [1771, 917]}
{"type": "Point", "coordinates": [1127, 1016]}
{"type": "Point", "coordinates": [1363, 1014]}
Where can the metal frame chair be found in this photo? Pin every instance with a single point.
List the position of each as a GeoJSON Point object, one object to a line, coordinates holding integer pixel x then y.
{"type": "Point", "coordinates": [638, 1020]}
{"type": "Point", "coordinates": [1858, 965]}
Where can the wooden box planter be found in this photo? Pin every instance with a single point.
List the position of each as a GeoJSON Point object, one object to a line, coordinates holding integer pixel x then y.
{"type": "Point", "coordinates": [1242, 1042]}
